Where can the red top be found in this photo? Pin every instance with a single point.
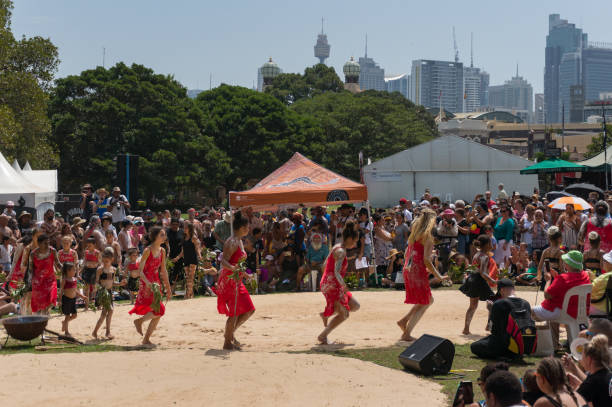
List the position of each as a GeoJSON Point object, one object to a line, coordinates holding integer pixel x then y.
{"type": "Point", "coordinates": [70, 283]}
{"type": "Point", "coordinates": [133, 266]}
{"type": "Point", "coordinates": [91, 257]}
{"type": "Point", "coordinates": [67, 256]}
{"type": "Point", "coordinates": [558, 288]}
{"type": "Point", "coordinates": [605, 233]}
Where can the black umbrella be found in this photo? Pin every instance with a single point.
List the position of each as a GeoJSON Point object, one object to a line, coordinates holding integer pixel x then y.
{"type": "Point", "coordinates": [552, 195]}
{"type": "Point", "coordinates": [583, 190]}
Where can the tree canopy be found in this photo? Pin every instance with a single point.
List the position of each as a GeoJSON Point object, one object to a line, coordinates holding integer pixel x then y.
{"type": "Point", "coordinates": [103, 112]}
{"type": "Point", "coordinates": [596, 145]}
{"type": "Point", "coordinates": [27, 67]}
{"type": "Point", "coordinates": [291, 87]}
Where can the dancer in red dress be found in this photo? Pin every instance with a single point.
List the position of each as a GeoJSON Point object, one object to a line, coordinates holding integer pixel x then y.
{"type": "Point", "coordinates": [152, 270]}
{"type": "Point", "coordinates": [338, 298]}
{"type": "Point", "coordinates": [233, 299]}
{"type": "Point", "coordinates": [43, 261]}
{"type": "Point", "coordinates": [417, 267]}
{"type": "Point", "coordinates": [17, 273]}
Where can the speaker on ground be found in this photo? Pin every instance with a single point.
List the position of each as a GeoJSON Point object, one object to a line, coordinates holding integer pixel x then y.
{"type": "Point", "coordinates": [429, 355]}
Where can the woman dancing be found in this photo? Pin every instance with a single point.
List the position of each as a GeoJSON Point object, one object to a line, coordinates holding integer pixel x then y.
{"type": "Point", "coordinates": [417, 267]}
{"type": "Point", "coordinates": [152, 270]}
{"type": "Point", "coordinates": [233, 299]}
{"type": "Point", "coordinates": [43, 261]}
{"type": "Point", "coordinates": [339, 299]}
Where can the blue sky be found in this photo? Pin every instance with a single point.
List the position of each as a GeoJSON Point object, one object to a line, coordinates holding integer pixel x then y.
{"type": "Point", "coordinates": [230, 39]}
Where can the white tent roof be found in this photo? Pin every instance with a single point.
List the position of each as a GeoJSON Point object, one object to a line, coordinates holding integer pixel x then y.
{"type": "Point", "coordinates": [14, 182]}
{"type": "Point", "coordinates": [15, 185]}
{"type": "Point", "coordinates": [598, 160]}
{"type": "Point", "coordinates": [450, 153]}
{"type": "Point", "coordinates": [16, 165]}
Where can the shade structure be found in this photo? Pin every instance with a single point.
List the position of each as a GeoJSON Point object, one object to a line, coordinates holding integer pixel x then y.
{"type": "Point", "coordinates": [553, 165]}
{"type": "Point", "coordinates": [583, 190]}
{"type": "Point", "coordinates": [579, 203]}
{"type": "Point", "coordinates": [300, 181]}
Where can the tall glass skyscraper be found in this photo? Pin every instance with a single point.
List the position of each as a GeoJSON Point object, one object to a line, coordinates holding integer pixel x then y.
{"type": "Point", "coordinates": [371, 76]}
{"type": "Point", "coordinates": [570, 74]}
{"type": "Point", "coordinates": [399, 83]}
{"type": "Point", "coordinates": [562, 37]}
{"type": "Point", "coordinates": [475, 89]}
{"type": "Point", "coordinates": [435, 83]}
{"type": "Point", "coordinates": [596, 72]}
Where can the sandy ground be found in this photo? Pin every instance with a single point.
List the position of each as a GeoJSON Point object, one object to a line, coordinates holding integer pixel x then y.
{"type": "Point", "coordinates": [188, 367]}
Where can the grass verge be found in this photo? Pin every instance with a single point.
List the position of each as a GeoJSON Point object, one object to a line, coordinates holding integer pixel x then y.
{"type": "Point", "coordinates": [36, 346]}
{"type": "Point", "coordinates": [466, 365]}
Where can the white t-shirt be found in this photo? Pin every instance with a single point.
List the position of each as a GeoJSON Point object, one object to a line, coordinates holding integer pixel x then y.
{"type": "Point", "coordinates": [117, 212]}
{"type": "Point", "coordinates": [5, 254]}
{"type": "Point", "coordinates": [407, 216]}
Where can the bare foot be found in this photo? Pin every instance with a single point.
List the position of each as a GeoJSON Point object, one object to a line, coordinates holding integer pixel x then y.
{"type": "Point", "coordinates": [138, 325]}
{"type": "Point", "coordinates": [64, 326]}
{"type": "Point", "coordinates": [322, 339]}
{"type": "Point", "coordinates": [402, 325]}
{"type": "Point", "coordinates": [466, 332]}
{"type": "Point", "coordinates": [408, 338]}
{"type": "Point", "coordinates": [109, 336]}
{"type": "Point", "coordinates": [236, 343]}
{"type": "Point", "coordinates": [324, 318]}
{"type": "Point", "coordinates": [228, 346]}
{"type": "Point", "coordinates": [94, 334]}
{"type": "Point", "coordinates": [148, 344]}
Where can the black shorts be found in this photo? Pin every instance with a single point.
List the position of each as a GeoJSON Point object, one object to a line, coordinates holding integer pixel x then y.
{"type": "Point", "coordinates": [89, 275]}
{"type": "Point", "coordinates": [69, 305]}
{"type": "Point", "coordinates": [133, 284]}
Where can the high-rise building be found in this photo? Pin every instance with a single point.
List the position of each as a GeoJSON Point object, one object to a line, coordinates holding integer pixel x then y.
{"type": "Point", "coordinates": [562, 37]}
{"type": "Point", "coordinates": [475, 89]}
{"type": "Point", "coordinates": [399, 83]}
{"type": "Point", "coordinates": [570, 75]}
{"type": "Point", "coordinates": [322, 47]}
{"type": "Point", "coordinates": [539, 108]}
{"type": "Point", "coordinates": [371, 76]}
{"type": "Point", "coordinates": [596, 71]}
{"type": "Point", "coordinates": [437, 83]}
{"type": "Point", "coordinates": [515, 95]}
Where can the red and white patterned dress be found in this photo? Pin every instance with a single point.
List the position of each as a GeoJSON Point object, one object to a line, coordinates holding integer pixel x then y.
{"type": "Point", "coordinates": [44, 282]}
{"type": "Point", "coordinates": [143, 303]}
{"type": "Point", "coordinates": [331, 287]}
{"type": "Point", "coordinates": [70, 256]}
{"type": "Point", "coordinates": [17, 275]}
{"type": "Point", "coordinates": [227, 304]}
{"type": "Point", "coordinates": [416, 276]}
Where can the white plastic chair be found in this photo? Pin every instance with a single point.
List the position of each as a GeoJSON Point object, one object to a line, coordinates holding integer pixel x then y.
{"type": "Point", "coordinates": [582, 318]}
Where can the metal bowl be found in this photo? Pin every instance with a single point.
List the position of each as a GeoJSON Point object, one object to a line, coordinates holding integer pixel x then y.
{"type": "Point", "coordinates": [25, 328]}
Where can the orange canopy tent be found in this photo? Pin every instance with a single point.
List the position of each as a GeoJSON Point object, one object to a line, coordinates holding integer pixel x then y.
{"type": "Point", "coordinates": [300, 181]}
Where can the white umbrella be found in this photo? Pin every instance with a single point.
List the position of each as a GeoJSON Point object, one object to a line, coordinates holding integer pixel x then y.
{"type": "Point", "coordinates": [579, 203]}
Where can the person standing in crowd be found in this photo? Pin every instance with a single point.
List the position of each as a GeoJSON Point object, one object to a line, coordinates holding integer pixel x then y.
{"type": "Point", "coordinates": [94, 231]}
{"type": "Point", "coordinates": [569, 223]}
{"type": "Point", "coordinates": [538, 230]}
{"type": "Point", "coordinates": [593, 258]}
{"type": "Point", "coordinates": [233, 299]}
{"type": "Point", "coordinates": [477, 285]}
{"type": "Point", "coordinates": [338, 298]}
{"type": "Point", "coordinates": [197, 225]}
{"type": "Point", "coordinates": [463, 229]}
{"type": "Point", "coordinates": [152, 270]}
{"type": "Point", "coordinates": [416, 271]}
{"type": "Point", "coordinates": [504, 233]}
{"type": "Point", "coordinates": [502, 194]}
{"type": "Point", "coordinates": [9, 210]}
{"type": "Point", "coordinates": [400, 233]}
{"type": "Point", "coordinates": [102, 202]}
{"type": "Point", "coordinates": [176, 237]}
{"type": "Point", "coordinates": [406, 209]}
{"type": "Point", "coordinates": [366, 227]}
{"type": "Point", "coordinates": [88, 202]}
{"type": "Point", "coordinates": [42, 264]}
{"type": "Point", "coordinates": [190, 254]}
{"type": "Point", "coordinates": [524, 225]}
{"type": "Point", "coordinates": [447, 232]}
{"type": "Point", "coordinates": [24, 221]}
{"type": "Point", "coordinates": [599, 222]}
{"type": "Point", "coordinates": [223, 230]}
{"type": "Point", "coordinates": [382, 245]}
{"type": "Point", "coordinates": [50, 227]}
{"type": "Point", "coordinates": [119, 206]}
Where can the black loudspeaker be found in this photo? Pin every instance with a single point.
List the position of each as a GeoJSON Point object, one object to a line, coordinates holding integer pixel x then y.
{"type": "Point", "coordinates": [429, 355]}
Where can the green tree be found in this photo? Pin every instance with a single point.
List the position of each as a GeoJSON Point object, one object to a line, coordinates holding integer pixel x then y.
{"type": "Point", "coordinates": [103, 112]}
{"type": "Point", "coordinates": [27, 67]}
{"type": "Point", "coordinates": [596, 145]}
{"type": "Point", "coordinates": [376, 123]}
{"type": "Point", "coordinates": [256, 131]}
{"type": "Point", "coordinates": [291, 87]}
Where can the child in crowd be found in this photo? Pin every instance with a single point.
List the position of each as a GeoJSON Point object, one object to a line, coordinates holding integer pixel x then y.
{"type": "Point", "coordinates": [131, 270]}
{"type": "Point", "coordinates": [593, 258]}
{"type": "Point", "coordinates": [6, 251]}
{"type": "Point", "coordinates": [90, 267]}
{"type": "Point", "coordinates": [531, 391]}
{"type": "Point", "coordinates": [529, 276]}
{"type": "Point", "coordinates": [68, 294]}
{"type": "Point", "coordinates": [477, 285]}
{"type": "Point", "coordinates": [488, 230]}
{"type": "Point", "coordinates": [552, 254]}
{"type": "Point", "coordinates": [210, 275]}
{"type": "Point", "coordinates": [520, 258]}
{"type": "Point", "coordinates": [67, 253]}
{"type": "Point", "coordinates": [105, 277]}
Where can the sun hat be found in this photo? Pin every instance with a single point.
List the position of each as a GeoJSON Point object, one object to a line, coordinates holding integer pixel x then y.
{"type": "Point", "coordinates": [448, 212]}
{"type": "Point", "coordinates": [138, 220]}
{"type": "Point", "coordinates": [116, 189]}
{"type": "Point", "coordinates": [573, 259]}
{"type": "Point", "coordinates": [227, 217]}
{"type": "Point", "coordinates": [392, 253]}
{"type": "Point", "coordinates": [107, 215]}
{"type": "Point", "coordinates": [77, 221]}
{"type": "Point", "coordinates": [24, 213]}
{"type": "Point", "coordinates": [424, 202]}
{"type": "Point", "coordinates": [608, 257]}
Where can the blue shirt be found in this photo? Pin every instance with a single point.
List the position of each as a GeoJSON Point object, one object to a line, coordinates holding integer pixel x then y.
{"type": "Point", "coordinates": [102, 206]}
{"type": "Point", "coordinates": [505, 231]}
{"type": "Point", "coordinates": [317, 256]}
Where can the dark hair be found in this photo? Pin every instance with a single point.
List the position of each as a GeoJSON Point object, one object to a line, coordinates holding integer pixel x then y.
{"type": "Point", "coordinates": [491, 368]}
{"type": "Point", "coordinates": [349, 231]}
{"type": "Point", "coordinates": [189, 227]}
{"type": "Point", "coordinates": [483, 205]}
{"type": "Point", "coordinates": [108, 253]}
{"type": "Point", "coordinates": [487, 228]}
{"type": "Point", "coordinates": [602, 326]}
{"type": "Point", "coordinates": [506, 387]}
{"type": "Point", "coordinates": [256, 231]}
{"type": "Point", "coordinates": [43, 237]}
{"type": "Point", "coordinates": [460, 211]}
{"type": "Point", "coordinates": [125, 223]}
{"type": "Point", "coordinates": [91, 240]}
{"type": "Point", "coordinates": [239, 221]}
{"type": "Point", "coordinates": [174, 220]}
{"type": "Point", "coordinates": [131, 251]}
{"type": "Point", "coordinates": [153, 233]}
{"type": "Point", "coordinates": [5, 238]}
{"type": "Point", "coordinates": [376, 217]}
{"type": "Point", "coordinates": [538, 253]}
{"type": "Point", "coordinates": [552, 370]}
{"type": "Point", "coordinates": [529, 381]}
{"type": "Point", "coordinates": [482, 241]}
{"type": "Point", "coordinates": [65, 267]}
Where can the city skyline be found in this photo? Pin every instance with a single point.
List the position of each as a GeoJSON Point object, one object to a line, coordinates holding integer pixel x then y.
{"type": "Point", "coordinates": [192, 41]}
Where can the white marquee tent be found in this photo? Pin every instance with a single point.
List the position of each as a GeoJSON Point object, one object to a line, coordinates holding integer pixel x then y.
{"type": "Point", "coordinates": [451, 167]}
{"type": "Point", "coordinates": [37, 188]}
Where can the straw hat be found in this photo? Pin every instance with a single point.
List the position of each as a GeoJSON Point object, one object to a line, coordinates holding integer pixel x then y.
{"type": "Point", "coordinates": [77, 221]}
{"type": "Point", "coordinates": [392, 253]}
{"type": "Point", "coordinates": [101, 191]}
{"type": "Point", "coordinates": [24, 213]}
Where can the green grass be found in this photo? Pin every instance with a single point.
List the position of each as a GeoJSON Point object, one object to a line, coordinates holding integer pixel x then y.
{"type": "Point", "coordinates": [464, 360]}
{"type": "Point", "coordinates": [14, 346]}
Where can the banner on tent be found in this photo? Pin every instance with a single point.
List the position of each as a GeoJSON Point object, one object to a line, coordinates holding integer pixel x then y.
{"type": "Point", "coordinates": [390, 176]}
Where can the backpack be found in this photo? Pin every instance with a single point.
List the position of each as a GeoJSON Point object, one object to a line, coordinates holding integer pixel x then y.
{"type": "Point", "coordinates": [521, 330]}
